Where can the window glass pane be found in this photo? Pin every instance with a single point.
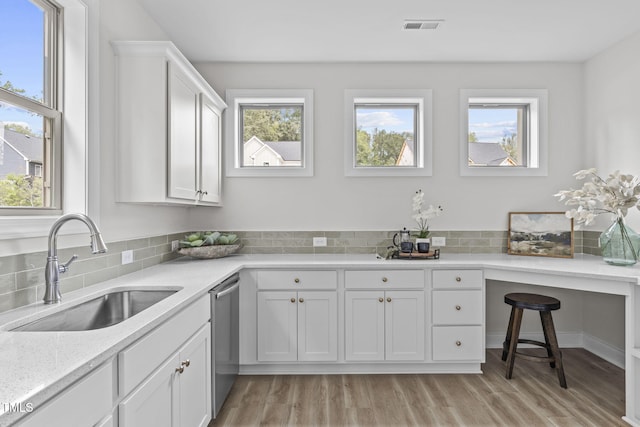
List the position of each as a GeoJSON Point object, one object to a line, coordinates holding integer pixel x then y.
{"type": "Point", "coordinates": [22, 37]}
{"type": "Point", "coordinates": [497, 135]}
{"type": "Point", "coordinates": [385, 135]}
{"type": "Point", "coordinates": [22, 158]}
{"type": "Point", "coordinates": [271, 135]}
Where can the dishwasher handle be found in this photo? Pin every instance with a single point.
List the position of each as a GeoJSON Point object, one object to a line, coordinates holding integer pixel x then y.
{"type": "Point", "coordinates": [228, 290]}
{"type": "Point", "coordinates": [227, 286]}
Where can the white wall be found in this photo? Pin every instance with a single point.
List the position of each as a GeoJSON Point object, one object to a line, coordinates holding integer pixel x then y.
{"type": "Point", "coordinates": [612, 112]}
{"type": "Point", "coordinates": [330, 201]}
{"type": "Point", "coordinates": [612, 140]}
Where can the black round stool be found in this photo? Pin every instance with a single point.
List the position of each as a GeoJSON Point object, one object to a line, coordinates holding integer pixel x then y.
{"type": "Point", "coordinates": [545, 305]}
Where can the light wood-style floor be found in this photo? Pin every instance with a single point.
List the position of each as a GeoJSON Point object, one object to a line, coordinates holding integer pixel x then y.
{"type": "Point", "coordinates": [533, 397]}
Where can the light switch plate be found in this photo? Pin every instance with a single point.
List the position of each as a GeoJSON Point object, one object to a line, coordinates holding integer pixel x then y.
{"type": "Point", "coordinates": [174, 245]}
{"type": "Point", "coordinates": [127, 257]}
{"type": "Point", "coordinates": [439, 241]}
{"type": "Point", "coordinates": [319, 241]}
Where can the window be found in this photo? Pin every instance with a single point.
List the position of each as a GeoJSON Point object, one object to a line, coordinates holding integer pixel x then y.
{"type": "Point", "coordinates": [63, 106]}
{"type": "Point", "coordinates": [388, 133]}
{"type": "Point", "coordinates": [29, 111]}
{"type": "Point", "coordinates": [503, 133]}
{"type": "Point", "coordinates": [271, 132]}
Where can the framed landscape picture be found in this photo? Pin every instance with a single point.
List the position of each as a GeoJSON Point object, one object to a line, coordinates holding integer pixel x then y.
{"type": "Point", "coordinates": [547, 234]}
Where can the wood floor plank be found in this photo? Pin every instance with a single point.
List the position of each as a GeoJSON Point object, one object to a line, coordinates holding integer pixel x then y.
{"type": "Point", "coordinates": [533, 397]}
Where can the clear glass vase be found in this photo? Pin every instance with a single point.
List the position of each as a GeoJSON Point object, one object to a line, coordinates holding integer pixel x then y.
{"type": "Point", "coordinates": [620, 245]}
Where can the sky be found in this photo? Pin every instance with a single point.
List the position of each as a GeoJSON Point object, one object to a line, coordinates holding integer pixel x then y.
{"type": "Point", "coordinates": [491, 124]}
{"type": "Point", "coordinates": [390, 119]}
{"type": "Point", "coordinates": [21, 55]}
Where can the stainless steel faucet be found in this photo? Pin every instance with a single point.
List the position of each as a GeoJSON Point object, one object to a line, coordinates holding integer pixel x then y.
{"type": "Point", "coordinates": [54, 268]}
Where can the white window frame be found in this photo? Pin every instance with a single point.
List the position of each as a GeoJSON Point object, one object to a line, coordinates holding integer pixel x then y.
{"type": "Point", "coordinates": [422, 99]}
{"type": "Point", "coordinates": [79, 105]}
{"type": "Point", "coordinates": [233, 137]}
{"type": "Point", "coordinates": [537, 138]}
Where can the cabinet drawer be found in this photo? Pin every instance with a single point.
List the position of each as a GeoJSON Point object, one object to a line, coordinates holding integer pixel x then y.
{"type": "Point", "coordinates": [453, 343]}
{"type": "Point", "coordinates": [141, 358]}
{"type": "Point", "coordinates": [457, 307]}
{"type": "Point", "coordinates": [83, 404]}
{"type": "Point", "coordinates": [457, 279]}
{"type": "Point", "coordinates": [297, 279]}
{"type": "Point", "coordinates": [384, 279]}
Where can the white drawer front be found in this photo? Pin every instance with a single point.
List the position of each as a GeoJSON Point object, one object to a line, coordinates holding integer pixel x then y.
{"type": "Point", "coordinates": [384, 279]}
{"type": "Point", "coordinates": [457, 307]}
{"type": "Point", "coordinates": [297, 279]}
{"type": "Point", "coordinates": [82, 404]}
{"type": "Point", "coordinates": [457, 279]}
{"type": "Point", "coordinates": [453, 343]}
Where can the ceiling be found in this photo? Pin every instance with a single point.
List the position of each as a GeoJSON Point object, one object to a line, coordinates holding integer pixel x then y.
{"type": "Point", "coordinates": [371, 30]}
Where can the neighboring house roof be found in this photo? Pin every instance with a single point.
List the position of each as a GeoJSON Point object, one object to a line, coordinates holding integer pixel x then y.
{"type": "Point", "coordinates": [30, 148]}
{"type": "Point", "coordinates": [489, 153]}
{"type": "Point", "coordinates": [289, 150]}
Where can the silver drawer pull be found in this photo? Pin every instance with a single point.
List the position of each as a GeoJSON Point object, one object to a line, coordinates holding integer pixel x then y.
{"type": "Point", "coordinates": [458, 307]}
{"type": "Point", "coordinates": [458, 279]}
{"type": "Point", "coordinates": [381, 299]}
{"type": "Point", "coordinates": [385, 280]}
{"type": "Point", "coordinates": [458, 343]}
{"type": "Point", "coordinates": [296, 280]}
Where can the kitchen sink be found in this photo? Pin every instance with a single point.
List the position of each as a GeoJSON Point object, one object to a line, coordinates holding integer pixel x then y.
{"type": "Point", "coordinates": [106, 310]}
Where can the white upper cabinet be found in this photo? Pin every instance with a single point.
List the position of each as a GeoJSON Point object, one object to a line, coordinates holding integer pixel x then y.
{"type": "Point", "coordinates": [168, 128]}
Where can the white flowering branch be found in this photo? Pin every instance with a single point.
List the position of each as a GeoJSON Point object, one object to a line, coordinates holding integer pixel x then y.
{"type": "Point", "coordinates": [614, 195]}
{"type": "Point", "coordinates": [422, 216]}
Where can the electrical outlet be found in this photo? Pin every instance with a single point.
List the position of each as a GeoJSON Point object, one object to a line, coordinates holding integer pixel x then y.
{"type": "Point", "coordinates": [127, 257]}
{"type": "Point", "coordinates": [174, 245]}
{"type": "Point", "coordinates": [319, 241]}
{"type": "Point", "coordinates": [439, 241]}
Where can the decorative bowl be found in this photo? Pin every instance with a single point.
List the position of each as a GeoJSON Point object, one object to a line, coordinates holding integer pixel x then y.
{"type": "Point", "coordinates": [209, 252]}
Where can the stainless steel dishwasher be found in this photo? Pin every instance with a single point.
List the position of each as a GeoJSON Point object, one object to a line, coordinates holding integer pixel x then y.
{"type": "Point", "coordinates": [225, 329]}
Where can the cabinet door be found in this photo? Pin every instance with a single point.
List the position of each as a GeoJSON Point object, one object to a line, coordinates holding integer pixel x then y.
{"type": "Point", "coordinates": [364, 325]}
{"type": "Point", "coordinates": [151, 404]}
{"type": "Point", "coordinates": [209, 161]}
{"type": "Point", "coordinates": [404, 325]}
{"type": "Point", "coordinates": [195, 380]}
{"type": "Point", "coordinates": [277, 326]}
{"type": "Point", "coordinates": [317, 326]}
{"type": "Point", "coordinates": [183, 138]}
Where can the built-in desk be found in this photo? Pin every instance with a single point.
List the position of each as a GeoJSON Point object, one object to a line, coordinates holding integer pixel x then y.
{"type": "Point", "coordinates": [587, 273]}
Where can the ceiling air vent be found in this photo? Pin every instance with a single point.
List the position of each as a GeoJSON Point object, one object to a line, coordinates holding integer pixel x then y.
{"type": "Point", "coordinates": [431, 24]}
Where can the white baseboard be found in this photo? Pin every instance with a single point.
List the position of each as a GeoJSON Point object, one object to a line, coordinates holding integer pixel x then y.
{"type": "Point", "coordinates": [590, 343]}
{"type": "Point", "coordinates": [604, 350]}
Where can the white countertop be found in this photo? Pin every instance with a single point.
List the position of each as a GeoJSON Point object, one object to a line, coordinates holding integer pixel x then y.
{"type": "Point", "coordinates": [35, 366]}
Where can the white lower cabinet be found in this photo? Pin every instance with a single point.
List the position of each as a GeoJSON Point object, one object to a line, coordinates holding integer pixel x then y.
{"type": "Point", "coordinates": [165, 377]}
{"type": "Point", "coordinates": [178, 392]}
{"type": "Point", "coordinates": [384, 325]}
{"type": "Point", "coordinates": [297, 326]}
